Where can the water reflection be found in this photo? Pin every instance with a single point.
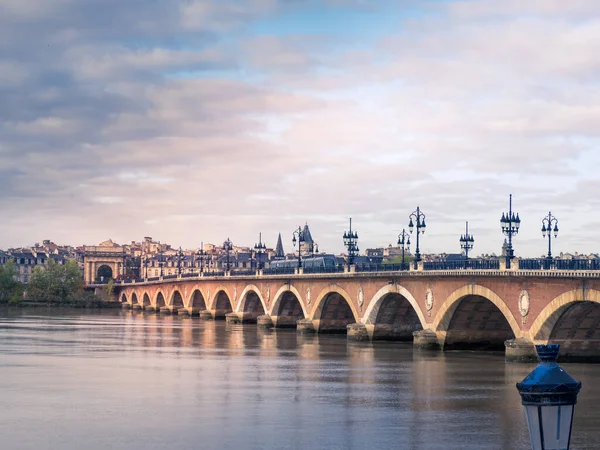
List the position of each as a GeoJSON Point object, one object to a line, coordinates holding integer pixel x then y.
{"type": "Point", "coordinates": [131, 380]}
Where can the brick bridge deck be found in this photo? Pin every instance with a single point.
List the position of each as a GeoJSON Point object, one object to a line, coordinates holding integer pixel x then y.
{"type": "Point", "coordinates": [483, 309]}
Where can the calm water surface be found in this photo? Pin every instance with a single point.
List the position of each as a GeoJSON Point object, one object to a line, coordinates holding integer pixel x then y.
{"type": "Point", "coordinates": [122, 380]}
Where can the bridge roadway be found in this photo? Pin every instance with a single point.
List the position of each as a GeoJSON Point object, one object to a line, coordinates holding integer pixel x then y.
{"type": "Point", "coordinates": [456, 309]}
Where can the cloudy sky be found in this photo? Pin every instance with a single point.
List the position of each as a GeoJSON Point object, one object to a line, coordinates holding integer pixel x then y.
{"type": "Point", "coordinates": [198, 120]}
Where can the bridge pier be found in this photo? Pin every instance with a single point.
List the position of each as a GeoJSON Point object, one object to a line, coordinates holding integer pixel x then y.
{"type": "Point", "coordinates": [207, 315]}
{"type": "Point", "coordinates": [151, 309]}
{"type": "Point", "coordinates": [264, 321]}
{"type": "Point", "coordinates": [358, 332]}
{"type": "Point", "coordinates": [233, 317]}
{"type": "Point", "coordinates": [520, 350]}
{"type": "Point", "coordinates": [306, 326]}
{"type": "Point", "coordinates": [426, 340]}
{"type": "Point", "coordinates": [126, 306]}
{"type": "Point", "coordinates": [136, 307]}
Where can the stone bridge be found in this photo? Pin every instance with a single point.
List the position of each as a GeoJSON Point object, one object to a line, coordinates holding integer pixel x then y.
{"type": "Point", "coordinates": [464, 309]}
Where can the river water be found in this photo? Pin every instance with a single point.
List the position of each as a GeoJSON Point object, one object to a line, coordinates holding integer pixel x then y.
{"type": "Point", "coordinates": [74, 380]}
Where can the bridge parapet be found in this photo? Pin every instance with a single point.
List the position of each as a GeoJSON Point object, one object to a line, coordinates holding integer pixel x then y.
{"type": "Point", "coordinates": [553, 273]}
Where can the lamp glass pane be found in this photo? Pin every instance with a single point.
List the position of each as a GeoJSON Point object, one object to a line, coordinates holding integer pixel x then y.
{"type": "Point", "coordinates": [533, 423]}
{"type": "Point", "coordinates": [556, 424]}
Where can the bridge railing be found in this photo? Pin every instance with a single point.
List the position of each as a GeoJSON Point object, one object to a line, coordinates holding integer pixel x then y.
{"type": "Point", "coordinates": [333, 269]}
{"type": "Point", "coordinates": [381, 267]}
{"type": "Point", "coordinates": [153, 278]}
{"type": "Point", "coordinates": [243, 272]}
{"type": "Point", "coordinates": [189, 275]}
{"type": "Point", "coordinates": [279, 271]}
{"type": "Point", "coordinates": [475, 264]}
{"type": "Point", "coordinates": [559, 264]}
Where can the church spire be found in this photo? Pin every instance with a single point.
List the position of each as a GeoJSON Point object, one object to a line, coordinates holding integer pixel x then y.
{"type": "Point", "coordinates": [279, 253]}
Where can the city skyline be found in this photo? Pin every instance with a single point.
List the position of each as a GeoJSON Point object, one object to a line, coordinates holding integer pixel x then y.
{"type": "Point", "coordinates": [195, 121]}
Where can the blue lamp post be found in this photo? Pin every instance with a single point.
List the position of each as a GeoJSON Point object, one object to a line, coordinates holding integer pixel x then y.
{"type": "Point", "coordinates": [549, 395]}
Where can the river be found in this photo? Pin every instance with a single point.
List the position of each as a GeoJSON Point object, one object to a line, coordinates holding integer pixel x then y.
{"type": "Point", "coordinates": [91, 380]}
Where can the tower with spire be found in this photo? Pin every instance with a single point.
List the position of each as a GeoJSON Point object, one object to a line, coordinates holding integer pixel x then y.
{"type": "Point", "coordinates": [279, 253]}
{"type": "Point", "coordinates": [306, 243]}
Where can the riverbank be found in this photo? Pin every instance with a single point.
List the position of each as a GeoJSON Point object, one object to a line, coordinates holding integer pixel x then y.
{"type": "Point", "coordinates": [77, 304]}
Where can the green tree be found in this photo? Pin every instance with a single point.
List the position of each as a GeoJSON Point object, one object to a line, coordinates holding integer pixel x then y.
{"type": "Point", "coordinates": [11, 289]}
{"type": "Point", "coordinates": [56, 283]}
{"type": "Point", "coordinates": [110, 289]}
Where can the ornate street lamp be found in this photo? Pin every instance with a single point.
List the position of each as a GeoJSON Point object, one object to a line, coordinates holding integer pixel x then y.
{"type": "Point", "coordinates": [419, 218]}
{"type": "Point", "coordinates": [549, 395]}
{"type": "Point", "coordinates": [300, 240]}
{"type": "Point", "coordinates": [549, 227]}
{"type": "Point", "coordinates": [404, 242]}
{"type": "Point", "coordinates": [161, 262]}
{"type": "Point", "coordinates": [259, 250]}
{"type": "Point", "coordinates": [510, 224]}
{"type": "Point", "coordinates": [466, 242]}
{"type": "Point", "coordinates": [227, 246]}
{"type": "Point", "coordinates": [350, 242]}
{"type": "Point", "coordinates": [179, 257]}
{"type": "Point", "coordinates": [201, 254]}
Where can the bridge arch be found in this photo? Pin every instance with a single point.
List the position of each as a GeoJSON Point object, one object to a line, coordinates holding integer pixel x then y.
{"type": "Point", "coordinates": [287, 307]}
{"type": "Point", "coordinates": [134, 299]}
{"type": "Point", "coordinates": [124, 298]}
{"type": "Point", "coordinates": [278, 297]}
{"type": "Point", "coordinates": [333, 310]}
{"type": "Point", "coordinates": [221, 303]}
{"type": "Point", "coordinates": [176, 299]}
{"type": "Point", "coordinates": [394, 313]}
{"type": "Point", "coordinates": [197, 299]}
{"type": "Point", "coordinates": [159, 300]}
{"type": "Point", "coordinates": [146, 299]}
{"type": "Point", "coordinates": [487, 317]}
{"type": "Point", "coordinates": [542, 329]}
{"type": "Point", "coordinates": [248, 300]}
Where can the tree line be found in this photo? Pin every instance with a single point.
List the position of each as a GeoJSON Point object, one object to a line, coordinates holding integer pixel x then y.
{"type": "Point", "coordinates": [51, 284]}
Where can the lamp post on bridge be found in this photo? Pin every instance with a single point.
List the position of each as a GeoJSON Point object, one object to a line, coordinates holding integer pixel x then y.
{"type": "Point", "coordinates": [179, 257]}
{"type": "Point", "coordinates": [300, 240]}
{"type": "Point", "coordinates": [549, 395]}
{"type": "Point", "coordinates": [510, 224]}
{"type": "Point", "coordinates": [549, 227]}
{"type": "Point", "coordinates": [201, 254]}
{"type": "Point", "coordinates": [227, 246]}
{"type": "Point", "coordinates": [404, 242]}
{"type": "Point", "coordinates": [350, 242]}
{"type": "Point", "coordinates": [466, 242]}
{"type": "Point", "coordinates": [259, 250]}
{"type": "Point", "coordinates": [419, 218]}
{"type": "Point", "coordinates": [161, 262]}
